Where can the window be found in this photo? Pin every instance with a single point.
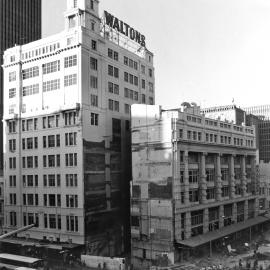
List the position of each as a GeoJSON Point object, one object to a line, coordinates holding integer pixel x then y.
{"type": "Point", "coordinates": [12, 162]}
{"type": "Point", "coordinates": [93, 63]}
{"type": "Point", "coordinates": [70, 61]}
{"type": "Point", "coordinates": [92, 4]}
{"type": "Point", "coordinates": [210, 193]}
{"type": "Point", "coordinates": [127, 108]}
{"type": "Point", "coordinates": [12, 92]}
{"type": "Point", "coordinates": [194, 195]}
{"type": "Point", "coordinates": [72, 201]}
{"type": "Point", "coordinates": [113, 71]}
{"type": "Point", "coordinates": [210, 174]}
{"type": "Point", "coordinates": [51, 67]}
{"type": "Point", "coordinates": [225, 191]}
{"type": "Point", "coordinates": [51, 85]}
{"type": "Point", "coordinates": [11, 108]}
{"type": "Point", "coordinates": [113, 105]}
{"type": "Point", "coordinates": [110, 70]}
{"type": "Point", "coordinates": [125, 60]}
{"type": "Point", "coordinates": [52, 200]}
{"type": "Point", "coordinates": [12, 199]}
{"type": "Point", "coordinates": [93, 26]}
{"type": "Point", "coordinates": [110, 53]}
{"type": "Point", "coordinates": [94, 119]}
{"type": "Point", "coordinates": [72, 223]}
{"type": "Point", "coordinates": [71, 138]}
{"type": "Point", "coordinates": [143, 84]}
{"type": "Point", "coordinates": [70, 118]}
{"type": "Point", "coordinates": [13, 218]}
{"type": "Point", "coordinates": [143, 69]}
{"type": "Point", "coordinates": [151, 87]}
{"type": "Point", "coordinates": [71, 180]}
{"type": "Point", "coordinates": [11, 126]}
{"type": "Point", "coordinates": [115, 56]}
{"type": "Point", "coordinates": [94, 45]}
{"type": "Point", "coordinates": [12, 180]}
{"type": "Point", "coordinates": [75, 3]}
{"type": "Point", "coordinates": [71, 22]}
{"type": "Point", "coordinates": [94, 100]}
{"type": "Point", "coordinates": [30, 90]}
{"type": "Point", "coordinates": [71, 159]}
{"type": "Point", "coordinates": [143, 98]}
{"type": "Point", "coordinates": [70, 80]}
{"type": "Point", "coordinates": [224, 174]}
{"type": "Point", "coordinates": [51, 161]}
{"type": "Point", "coordinates": [151, 100]}
{"type": "Point", "coordinates": [150, 73]}
{"type": "Point", "coordinates": [52, 221]}
{"type": "Point", "coordinates": [12, 76]}
{"type": "Point", "coordinates": [193, 176]}
{"type": "Point", "coordinates": [12, 145]}
{"type": "Point", "coordinates": [125, 76]}
{"type": "Point", "coordinates": [93, 82]}
{"type": "Point", "coordinates": [136, 80]}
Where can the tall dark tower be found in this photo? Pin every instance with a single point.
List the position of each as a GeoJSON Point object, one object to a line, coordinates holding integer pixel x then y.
{"type": "Point", "coordinates": [20, 23]}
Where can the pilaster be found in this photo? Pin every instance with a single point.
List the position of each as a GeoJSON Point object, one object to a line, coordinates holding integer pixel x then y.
{"type": "Point", "coordinates": [231, 176]}
{"type": "Point", "coordinates": [218, 181]}
{"type": "Point", "coordinates": [202, 184]}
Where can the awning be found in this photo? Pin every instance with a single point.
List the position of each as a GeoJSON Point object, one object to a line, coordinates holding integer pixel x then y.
{"type": "Point", "coordinates": [32, 242]}
{"type": "Point", "coordinates": [210, 236]}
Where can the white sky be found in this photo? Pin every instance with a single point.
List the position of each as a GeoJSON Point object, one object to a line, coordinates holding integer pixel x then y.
{"type": "Point", "coordinates": [206, 51]}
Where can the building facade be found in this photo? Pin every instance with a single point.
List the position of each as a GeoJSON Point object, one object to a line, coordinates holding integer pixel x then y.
{"type": "Point", "coordinates": [67, 131]}
{"type": "Point", "coordinates": [192, 176]}
{"type": "Point", "coordinates": [20, 23]}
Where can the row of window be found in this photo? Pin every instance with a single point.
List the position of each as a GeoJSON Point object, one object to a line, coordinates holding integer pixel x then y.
{"type": "Point", "coordinates": [48, 141]}
{"type": "Point", "coordinates": [215, 123]}
{"type": "Point", "coordinates": [50, 200]}
{"type": "Point", "coordinates": [49, 161]}
{"type": "Point", "coordinates": [194, 175]}
{"type": "Point", "coordinates": [132, 79]}
{"type": "Point", "coordinates": [50, 180]}
{"type": "Point", "coordinates": [51, 221]}
{"type": "Point", "coordinates": [51, 121]}
{"type": "Point", "coordinates": [213, 138]}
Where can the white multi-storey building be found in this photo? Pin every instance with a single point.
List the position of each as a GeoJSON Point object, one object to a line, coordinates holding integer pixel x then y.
{"type": "Point", "coordinates": [66, 123]}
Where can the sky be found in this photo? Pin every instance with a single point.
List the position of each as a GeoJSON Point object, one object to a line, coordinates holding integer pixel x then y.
{"type": "Point", "coordinates": [212, 52]}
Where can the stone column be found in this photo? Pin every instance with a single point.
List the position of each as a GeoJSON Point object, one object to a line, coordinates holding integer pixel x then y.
{"type": "Point", "coordinates": [231, 177]}
{"type": "Point", "coordinates": [205, 220]}
{"type": "Point", "coordinates": [234, 212]}
{"type": "Point", "coordinates": [176, 175]}
{"type": "Point", "coordinates": [221, 216]}
{"type": "Point", "coordinates": [256, 207]}
{"type": "Point", "coordinates": [243, 176]}
{"type": "Point", "coordinates": [188, 225]}
{"type": "Point", "coordinates": [246, 210]}
{"type": "Point", "coordinates": [202, 183]}
{"type": "Point", "coordinates": [186, 179]}
{"type": "Point", "coordinates": [254, 179]}
{"type": "Point", "coordinates": [218, 181]}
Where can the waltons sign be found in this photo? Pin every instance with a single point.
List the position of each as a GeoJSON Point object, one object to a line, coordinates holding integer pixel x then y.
{"type": "Point", "coordinates": [124, 28]}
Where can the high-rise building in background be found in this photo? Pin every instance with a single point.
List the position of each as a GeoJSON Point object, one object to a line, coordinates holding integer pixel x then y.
{"type": "Point", "coordinates": [194, 184]}
{"type": "Point", "coordinates": [67, 129]}
{"type": "Point", "coordinates": [20, 23]}
{"type": "Point", "coordinates": [263, 114]}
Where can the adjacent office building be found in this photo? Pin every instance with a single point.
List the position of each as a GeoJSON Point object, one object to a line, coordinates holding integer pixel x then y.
{"type": "Point", "coordinates": [194, 183]}
{"type": "Point", "coordinates": [20, 23]}
{"type": "Point", "coordinates": [67, 129]}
